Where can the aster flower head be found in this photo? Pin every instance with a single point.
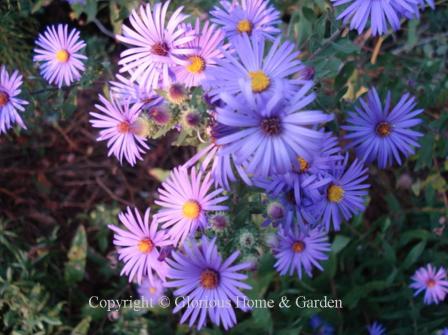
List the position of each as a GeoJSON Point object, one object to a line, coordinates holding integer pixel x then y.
{"type": "Point", "coordinates": [139, 245]}
{"type": "Point", "coordinates": [208, 49]}
{"type": "Point", "coordinates": [380, 13]}
{"type": "Point", "coordinates": [157, 44]}
{"type": "Point", "coordinates": [208, 283]}
{"type": "Point", "coordinates": [383, 134]}
{"type": "Point", "coordinates": [255, 18]}
{"type": "Point", "coordinates": [10, 104]}
{"type": "Point", "coordinates": [432, 281]}
{"type": "Point", "coordinates": [301, 250]}
{"type": "Point", "coordinates": [151, 291]}
{"type": "Point", "coordinates": [186, 198]}
{"type": "Point", "coordinates": [121, 128]}
{"type": "Point", "coordinates": [58, 51]}
{"type": "Point", "coordinates": [444, 331]}
{"type": "Point", "coordinates": [269, 135]}
{"type": "Point", "coordinates": [376, 328]}
{"type": "Point", "coordinates": [320, 326]}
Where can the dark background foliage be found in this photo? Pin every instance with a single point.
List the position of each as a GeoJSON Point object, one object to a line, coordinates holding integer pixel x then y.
{"type": "Point", "coordinates": [58, 191]}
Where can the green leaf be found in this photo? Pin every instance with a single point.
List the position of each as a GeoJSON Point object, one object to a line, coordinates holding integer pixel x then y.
{"type": "Point", "coordinates": [82, 328]}
{"type": "Point", "coordinates": [339, 243]}
{"type": "Point", "coordinates": [75, 267]}
{"type": "Point", "coordinates": [413, 255]}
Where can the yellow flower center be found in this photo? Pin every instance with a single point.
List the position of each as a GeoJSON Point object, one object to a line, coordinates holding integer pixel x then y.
{"type": "Point", "coordinates": [197, 64]}
{"type": "Point", "coordinates": [335, 193]}
{"type": "Point", "coordinates": [244, 26]}
{"type": "Point", "coordinates": [298, 247]}
{"type": "Point", "coordinates": [145, 246]}
{"type": "Point", "coordinates": [431, 283]}
{"type": "Point", "coordinates": [142, 127]}
{"type": "Point", "coordinates": [209, 279]}
{"type": "Point", "coordinates": [383, 129]}
{"type": "Point", "coordinates": [191, 209]}
{"type": "Point", "coordinates": [4, 98]}
{"type": "Point", "coordinates": [303, 164]}
{"type": "Point", "coordinates": [62, 56]}
{"type": "Point", "coordinates": [259, 81]}
{"type": "Point", "coordinates": [152, 290]}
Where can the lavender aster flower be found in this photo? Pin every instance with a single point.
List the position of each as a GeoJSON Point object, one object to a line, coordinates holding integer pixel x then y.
{"type": "Point", "coordinates": [434, 282]}
{"type": "Point", "coordinates": [151, 291]}
{"type": "Point", "coordinates": [376, 328]}
{"type": "Point", "coordinates": [444, 331]}
{"type": "Point", "coordinates": [156, 45]}
{"type": "Point", "coordinates": [383, 134]}
{"type": "Point", "coordinates": [269, 135]}
{"type": "Point", "coordinates": [58, 50]}
{"type": "Point", "coordinates": [121, 129]}
{"type": "Point", "coordinates": [10, 104]}
{"type": "Point", "coordinates": [138, 246]}
{"type": "Point", "coordinates": [208, 284]}
{"type": "Point", "coordinates": [185, 198]}
{"type": "Point", "coordinates": [320, 326]}
{"type": "Point", "coordinates": [255, 18]}
{"type": "Point", "coordinates": [300, 250]}
{"type": "Point", "coordinates": [380, 13]}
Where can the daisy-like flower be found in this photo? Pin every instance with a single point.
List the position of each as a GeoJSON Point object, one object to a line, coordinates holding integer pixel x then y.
{"type": "Point", "coordinates": [255, 18]}
{"type": "Point", "coordinates": [139, 245]}
{"type": "Point", "coordinates": [249, 66]}
{"type": "Point", "coordinates": [208, 50]}
{"type": "Point", "coordinates": [58, 50]}
{"type": "Point", "coordinates": [321, 326]}
{"type": "Point", "coordinates": [10, 104]}
{"type": "Point", "coordinates": [208, 284]}
{"type": "Point", "coordinates": [434, 282]}
{"type": "Point", "coordinates": [376, 328]}
{"type": "Point", "coordinates": [383, 134]}
{"type": "Point", "coordinates": [156, 45]}
{"type": "Point", "coordinates": [269, 135]}
{"type": "Point", "coordinates": [380, 13]}
{"type": "Point", "coordinates": [121, 128]}
{"type": "Point", "coordinates": [186, 197]}
{"type": "Point", "coordinates": [343, 193]}
{"type": "Point", "coordinates": [151, 291]}
{"type": "Point", "coordinates": [300, 250]}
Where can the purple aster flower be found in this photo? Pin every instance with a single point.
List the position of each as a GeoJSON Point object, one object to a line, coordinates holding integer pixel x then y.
{"type": "Point", "coordinates": [10, 104]}
{"type": "Point", "coordinates": [156, 45]}
{"type": "Point", "coordinates": [269, 135]}
{"type": "Point", "coordinates": [383, 134]}
{"type": "Point", "coordinates": [139, 244]}
{"type": "Point", "coordinates": [444, 331]}
{"type": "Point", "coordinates": [434, 282]}
{"type": "Point", "coordinates": [121, 129]}
{"type": "Point", "coordinates": [76, 2]}
{"type": "Point", "coordinates": [151, 291]}
{"type": "Point", "coordinates": [249, 67]}
{"type": "Point", "coordinates": [300, 250]}
{"type": "Point", "coordinates": [320, 326]}
{"type": "Point", "coordinates": [376, 328]}
{"type": "Point", "coordinates": [380, 13]}
{"type": "Point", "coordinates": [208, 49]}
{"type": "Point", "coordinates": [58, 50]}
{"type": "Point", "coordinates": [255, 18]}
{"type": "Point", "coordinates": [186, 198]}
{"type": "Point", "coordinates": [207, 285]}
{"type": "Point", "coordinates": [343, 191]}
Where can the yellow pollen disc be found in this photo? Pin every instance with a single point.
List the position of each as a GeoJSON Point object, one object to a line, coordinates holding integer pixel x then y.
{"type": "Point", "coordinates": [298, 246]}
{"type": "Point", "coordinates": [259, 81]}
{"type": "Point", "coordinates": [244, 26]}
{"type": "Point", "coordinates": [383, 129]}
{"type": "Point", "coordinates": [4, 98]}
{"type": "Point", "coordinates": [335, 193]}
{"type": "Point", "coordinates": [191, 209]}
{"type": "Point", "coordinates": [152, 290]}
{"type": "Point", "coordinates": [209, 279]}
{"type": "Point", "coordinates": [197, 64]}
{"type": "Point", "coordinates": [62, 56]}
{"type": "Point", "coordinates": [145, 245]}
{"type": "Point", "coordinates": [303, 164]}
{"type": "Point", "coordinates": [431, 283]}
{"type": "Point", "coordinates": [142, 127]}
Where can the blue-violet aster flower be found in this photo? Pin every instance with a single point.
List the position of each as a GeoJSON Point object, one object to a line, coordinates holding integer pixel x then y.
{"type": "Point", "coordinates": [151, 291]}
{"type": "Point", "coordinates": [432, 281]}
{"type": "Point", "coordinates": [376, 328]}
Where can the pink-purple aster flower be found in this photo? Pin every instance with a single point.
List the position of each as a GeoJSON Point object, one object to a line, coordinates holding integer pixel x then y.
{"type": "Point", "coordinates": [269, 135]}
{"type": "Point", "coordinates": [185, 198]}
{"type": "Point", "coordinates": [10, 104]}
{"type": "Point", "coordinates": [139, 245]}
{"type": "Point", "coordinates": [151, 291]}
{"type": "Point", "coordinates": [255, 18]}
{"type": "Point", "coordinates": [156, 45]}
{"type": "Point", "coordinates": [383, 134]}
{"type": "Point", "coordinates": [343, 192]}
{"type": "Point", "coordinates": [208, 50]}
{"type": "Point", "coordinates": [301, 250]}
{"type": "Point", "coordinates": [207, 285]}
{"type": "Point", "coordinates": [121, 128]}
{"type": "Point", "coordinates": [376, 328]}
{"type": "Point", "coordinates": [58, 50]}
{"type": "Point", "coordinates": [432, 281]}
{"type": "Point", "coordinates": [380, 13]}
